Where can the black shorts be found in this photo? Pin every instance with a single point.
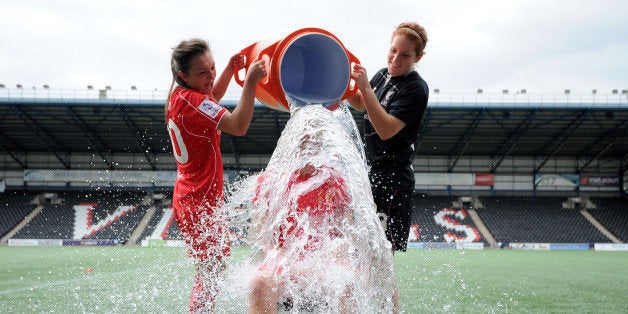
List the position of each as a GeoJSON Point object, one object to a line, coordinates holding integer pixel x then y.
{"type": "Point", "coordinates": [394, 205]}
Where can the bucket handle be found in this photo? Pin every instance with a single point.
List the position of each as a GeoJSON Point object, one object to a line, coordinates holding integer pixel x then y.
{"type": "Point", "coordinates": [246, 52]}
{"type": "Point", "coordinates": [351, 88]}
{"type": "Point", "coordinates": [247, 62]}
{"type": "Point", "coordinates": [265, 54]}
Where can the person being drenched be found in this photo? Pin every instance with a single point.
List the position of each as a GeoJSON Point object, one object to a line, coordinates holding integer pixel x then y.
{"type": "Point", "coordinates": [319, 243]}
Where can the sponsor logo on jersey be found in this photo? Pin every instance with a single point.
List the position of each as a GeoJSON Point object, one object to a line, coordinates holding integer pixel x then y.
{"type": "Point", "coordinates": [210, 108]}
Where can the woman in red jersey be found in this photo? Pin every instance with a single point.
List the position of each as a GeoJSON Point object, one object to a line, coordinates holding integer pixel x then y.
{"type": "Point", "coordinates": [317, 200]}
{"type": "Point", "coordinates": [301, 207]}
{"type": "Point", "coordinates": [195, 121]}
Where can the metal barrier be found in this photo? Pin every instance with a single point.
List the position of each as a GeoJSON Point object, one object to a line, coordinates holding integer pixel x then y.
{"type": "Point", "coordinates": [614, 99]}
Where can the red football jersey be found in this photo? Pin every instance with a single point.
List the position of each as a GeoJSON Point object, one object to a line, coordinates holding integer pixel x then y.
{"type": "Point", "coordinates": [322, 193]}
{"type": "Point", "coordinates": [193, 127]}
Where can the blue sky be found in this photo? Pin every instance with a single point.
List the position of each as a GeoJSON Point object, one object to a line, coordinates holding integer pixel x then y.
{"type": "Point", "coordinates": [540, 46]}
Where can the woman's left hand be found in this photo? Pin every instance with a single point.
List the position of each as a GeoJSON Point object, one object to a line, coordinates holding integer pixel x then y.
{"type": "Point", "coordinates": [361, 78]}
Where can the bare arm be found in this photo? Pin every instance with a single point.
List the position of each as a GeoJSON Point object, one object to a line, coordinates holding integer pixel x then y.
{"type": "Point", "coordinates": [236, 62]}
{"type": "Point", "coordinates": [385, 125]}
{"type": "Point", "coordinates": [356, 101]}
{"type": "Point", "coordinates": [238, 121]}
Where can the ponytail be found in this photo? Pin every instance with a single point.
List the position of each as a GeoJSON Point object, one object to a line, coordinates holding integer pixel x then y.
{"type": "Point", "coordinates": [167, 106]}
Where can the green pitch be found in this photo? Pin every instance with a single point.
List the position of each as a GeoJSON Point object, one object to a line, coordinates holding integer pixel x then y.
{"type": "Point", "coordinates": [140, 279]}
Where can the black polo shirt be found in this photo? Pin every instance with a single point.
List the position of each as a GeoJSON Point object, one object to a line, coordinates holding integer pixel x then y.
{"type": "Point", "coordinates": [404, 97]}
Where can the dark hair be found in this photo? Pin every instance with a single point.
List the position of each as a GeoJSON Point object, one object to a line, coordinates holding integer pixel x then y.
{"type": "Point", "coordinates": [181, 60]}
{"type": "Point", "coordinates": [414, 32]}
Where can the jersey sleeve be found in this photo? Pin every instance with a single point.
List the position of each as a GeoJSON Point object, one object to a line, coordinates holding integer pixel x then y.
{"type": "Point", "coordinates": [212, 110]}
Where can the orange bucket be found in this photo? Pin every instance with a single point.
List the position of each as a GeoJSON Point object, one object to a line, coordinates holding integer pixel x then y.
{"type": "Point", "coordinates": [308, 66]}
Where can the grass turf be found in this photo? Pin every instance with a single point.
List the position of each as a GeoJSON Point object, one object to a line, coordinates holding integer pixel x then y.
{"type": "Point", "coordinates": [139, 279]}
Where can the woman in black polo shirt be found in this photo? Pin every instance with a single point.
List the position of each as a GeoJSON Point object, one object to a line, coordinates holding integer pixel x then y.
{"type": "Point", "coordinates": [394, 100]}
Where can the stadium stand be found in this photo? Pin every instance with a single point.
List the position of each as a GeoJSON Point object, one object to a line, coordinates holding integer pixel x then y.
{"type": "Point", "coordinates": [16, 206]}
{"type": "Point", "coordinates": [107, 215]}
{"type": "Point", "coordinates": [152, 224]}
{"type": "Point", "coordinates": [174, 232]}
{"type": "Point", "coordinates": [436, 216]}
{"type": "Point", "coordinates": [510, 137]}
{"type": "Point", "coordinates": [162, 226]}
{"type": "Point", "coordinates": [536, 220]}
{"type": "Point", "coordinates": [122, 228]}
{"type": "Point", "coordinates": [613, 214]}
{"type": "Point", "coordinates": [55, 221]}
{"type": "Point", "coordinates": [507, 218]}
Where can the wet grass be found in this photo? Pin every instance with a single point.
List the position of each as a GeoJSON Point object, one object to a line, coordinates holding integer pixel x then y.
{"type": "Point", "coordinates": [499, 281]}
{"type": "Point", "coordinates": [140, 279]}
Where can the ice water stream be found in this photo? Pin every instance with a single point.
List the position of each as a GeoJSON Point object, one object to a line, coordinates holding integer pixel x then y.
{"type": "Point", "coordinates": [318, 236]}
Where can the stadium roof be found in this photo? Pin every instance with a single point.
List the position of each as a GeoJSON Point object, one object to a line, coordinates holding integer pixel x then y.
{"type": "Point", "coordinates": [452, 128]}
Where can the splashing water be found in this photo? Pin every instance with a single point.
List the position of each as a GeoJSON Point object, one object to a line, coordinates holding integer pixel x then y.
{"type": "Point", "coordinates": [312, 222]}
